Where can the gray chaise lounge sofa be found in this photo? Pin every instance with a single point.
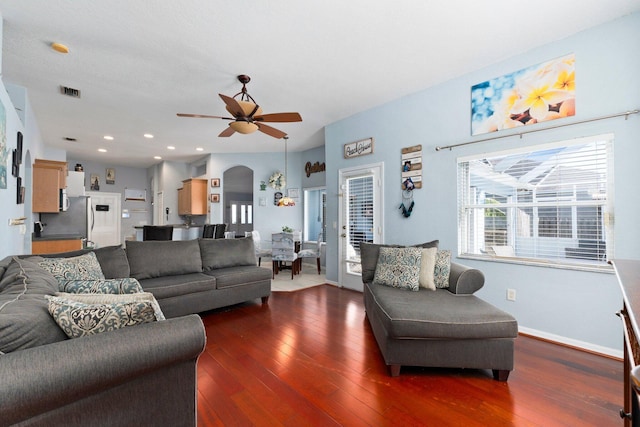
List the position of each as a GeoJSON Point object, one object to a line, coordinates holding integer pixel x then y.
{"type": "Point", "coordinates": [141, 375]}
{"type": "Point", "coordinates": [445, 328]}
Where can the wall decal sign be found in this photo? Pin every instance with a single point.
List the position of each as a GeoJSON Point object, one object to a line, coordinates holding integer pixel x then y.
{"type": "Point", "coordinates": [358, 148]}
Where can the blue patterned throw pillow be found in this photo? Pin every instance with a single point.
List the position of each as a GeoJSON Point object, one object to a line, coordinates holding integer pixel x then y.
{"type": "Point", "coordinates": [127, 285]}
{"type": "Point", "coordinates": [442, 269]}
{"type": "Point", "coordinates": [80, 315]}
{"type": "Point", "coordinates": [398, 268]}
{"type": "Point", "coordinates": [83, 267]}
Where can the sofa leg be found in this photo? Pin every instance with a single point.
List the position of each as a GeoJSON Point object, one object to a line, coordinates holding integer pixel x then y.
{"type": "Point", "coordinates": [500, 374]}
{"type": "Point", "coordinates": [318, 262]}
{"type": "Point", "coordinates": [265, 300]}
{"type": "Point", "coordinates": [394, 370]}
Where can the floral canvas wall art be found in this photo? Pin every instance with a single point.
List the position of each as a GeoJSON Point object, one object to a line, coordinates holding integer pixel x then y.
{"type": "Point", "coordinates": [532, 95]}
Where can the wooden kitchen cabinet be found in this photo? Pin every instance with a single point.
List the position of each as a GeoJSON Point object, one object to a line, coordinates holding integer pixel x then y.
{"type": "Point", "coordinates": [192, 197]}
{"type": "Point", "coordinates": [55, 246]}
{"type": "Point", "coordinates": [62, 167]}
{"type": "Point", "coordinates": [48, 180]}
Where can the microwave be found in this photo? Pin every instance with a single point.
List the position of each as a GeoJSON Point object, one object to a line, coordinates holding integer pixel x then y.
{"type": "Point", "coordinates": [64, 200]}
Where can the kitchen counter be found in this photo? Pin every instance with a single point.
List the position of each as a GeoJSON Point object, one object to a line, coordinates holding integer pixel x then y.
{"type": "Point", "coordinates": [53, 243]}
{"type": "Point", "coordinates": [56, 237]}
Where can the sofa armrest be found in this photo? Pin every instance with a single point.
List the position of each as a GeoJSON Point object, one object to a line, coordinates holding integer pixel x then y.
{"type": "Point", "coordinates": [465, 280]}
{"type": "Point", "coordinates": [40, 379]}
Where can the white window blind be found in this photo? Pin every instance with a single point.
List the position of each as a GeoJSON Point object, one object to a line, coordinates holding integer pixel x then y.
{"type": "Point", "coordinates": [550, 203]}
{"type": "Point", "coordinates": [359, 212]}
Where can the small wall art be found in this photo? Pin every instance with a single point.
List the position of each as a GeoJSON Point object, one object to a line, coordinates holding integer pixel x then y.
{"type": "Point", "coordinates": [95, 182]}
{"type": "Point", "coordinates": [215, 197]}
{"type": "Point", "coordinates": [215, 182]}
{"type": "Point", "coordinates": [110, 176]}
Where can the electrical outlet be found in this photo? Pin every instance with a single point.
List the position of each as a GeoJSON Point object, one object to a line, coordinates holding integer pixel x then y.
{"type": "Point", "coordinates": [511, 294]}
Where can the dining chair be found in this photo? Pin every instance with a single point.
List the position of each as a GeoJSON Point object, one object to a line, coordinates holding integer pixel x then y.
{"type": "Point", "coordinates": [209, 231]}
{"type": "Point", "coordinates": [257, 243]}
{"type": "Point", "coordinates": [220, 230]}
{"type": "Point", "coordinates": [157, 232]}
{"type": "Point", "coordinates": [283, 251]}
{"type": "Point", "coordinates": [313, 253]}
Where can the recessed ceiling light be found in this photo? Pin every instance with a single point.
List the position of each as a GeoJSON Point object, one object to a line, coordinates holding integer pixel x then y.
{"type": "Point", "coordinates": [157, 157]}
{"type": "Point", "coordinates": [171, 147]}
{"type": "Point", "coordinates": [148, 135]}
{"type": "Point", "coordinates": [59, 47]}
{"type": "Point", "coordinates": [102, 150]}
{"type": "Point", "coordinates": [199, 149]}
{"type": "Point", "coordinates": [108, 137]}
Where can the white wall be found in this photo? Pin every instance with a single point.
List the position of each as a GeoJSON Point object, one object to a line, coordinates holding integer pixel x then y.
{"type": "Point", "coordinates": [577, 307]}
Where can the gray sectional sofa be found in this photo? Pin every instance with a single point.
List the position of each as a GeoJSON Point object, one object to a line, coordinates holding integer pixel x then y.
{"type": "Point", "coordinates": [446, 328]}
{"type": "Point", "coordinates": [140, 375]}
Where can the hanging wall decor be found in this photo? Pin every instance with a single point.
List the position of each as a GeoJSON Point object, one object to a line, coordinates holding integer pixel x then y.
{"type": "Point", "coordinates": [358, 148]}
{"type": "Point", "coordinates": [532, 95]}
{"type": "Point", "coordinates": [412, 167]}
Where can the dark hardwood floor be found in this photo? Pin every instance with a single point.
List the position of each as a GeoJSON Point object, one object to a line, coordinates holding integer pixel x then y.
{"type": "Point", "coordinates": [309, 358]}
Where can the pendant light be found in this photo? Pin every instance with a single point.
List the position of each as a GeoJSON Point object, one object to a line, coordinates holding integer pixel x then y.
{"type": "Point", "coordinates": [285, 200]}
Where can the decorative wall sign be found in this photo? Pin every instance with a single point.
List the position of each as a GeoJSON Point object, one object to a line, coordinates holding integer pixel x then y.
{"type": "Point", "coordinates": [358, 148]}
{"type": "Point", "coordinates": [536, 94]}
{"type": "Point", "coordinates": [276, 197]}
{"type": "Point", "coordinates": [314, 168]}
{"type": "Point", "coordinates": [412, 167]}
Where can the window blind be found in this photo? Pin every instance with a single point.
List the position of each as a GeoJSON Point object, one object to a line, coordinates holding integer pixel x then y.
{"type": "Point", "coordinates": [549, 203]}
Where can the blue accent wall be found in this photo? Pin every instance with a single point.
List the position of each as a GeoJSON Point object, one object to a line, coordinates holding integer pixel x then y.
{"type": "Point", "coordinates": [576, 307]}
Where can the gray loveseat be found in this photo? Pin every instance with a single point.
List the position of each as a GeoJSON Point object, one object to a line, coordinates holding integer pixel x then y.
{"type": "Point", "coordinates": [446, 328]}
{"type": "Point", "coordinates": [140, 375]}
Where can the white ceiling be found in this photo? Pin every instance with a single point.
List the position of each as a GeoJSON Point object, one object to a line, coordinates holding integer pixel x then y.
{"type": "Point", "coordinates": [138, 63]}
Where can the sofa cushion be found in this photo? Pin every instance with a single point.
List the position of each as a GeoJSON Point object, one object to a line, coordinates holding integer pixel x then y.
{"type": "Point", "coordinates": [439, 314]}
{"type": "Point", "coordinates": [398, 268]}
{"type": "Point", "coordinates": [80, 315]}
{"type": "Point", "coordinates": [112, 259]}
{"type": "Point", "coordinates": [24, 319]}
{"type": "Point", "coordinates": [427, 266]}
{"type": "Point", "coordinates": [442, 269]}
{"type": "Point", "coordinates": [173, 286]}
{"type": "Point", "coordinates": [369, 256]}
{"type": "Point", "coordinates": [234, 276]}
{"type": "Point", "coordinates": [222, 253]}
{"type": "Point", "coordinates": [82, 267]}
{"type": "Point", "coordinates": [157, 258]}
{"type": "Point", "coordinates": [127, 285]}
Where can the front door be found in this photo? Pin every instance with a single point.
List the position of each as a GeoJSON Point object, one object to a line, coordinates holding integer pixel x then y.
{"type": "Point", "coordinates": [360, 219]}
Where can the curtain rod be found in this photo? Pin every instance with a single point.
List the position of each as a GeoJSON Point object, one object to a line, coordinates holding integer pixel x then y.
{"type": "Point", "coordinates": [626, 115]}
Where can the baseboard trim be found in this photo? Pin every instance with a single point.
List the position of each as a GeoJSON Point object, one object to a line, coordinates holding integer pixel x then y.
{"type": "Point", "coordinates": [569, 342]}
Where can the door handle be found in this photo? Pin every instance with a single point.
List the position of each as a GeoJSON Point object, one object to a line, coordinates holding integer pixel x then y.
{"type": "Point", "coordinates": [343, 235]}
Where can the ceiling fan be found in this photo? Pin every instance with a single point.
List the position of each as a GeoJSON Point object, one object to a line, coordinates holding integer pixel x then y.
{"type": "Point", "coordinates": [247, 115]}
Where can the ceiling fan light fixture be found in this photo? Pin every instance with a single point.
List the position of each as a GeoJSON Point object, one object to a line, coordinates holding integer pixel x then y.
{"type": "Point", "coordinates": [247, 108]}
{"type": "Point", "coordinates": [243, 127]}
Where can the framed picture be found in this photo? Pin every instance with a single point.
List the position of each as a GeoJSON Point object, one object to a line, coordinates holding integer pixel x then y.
{"type": "Point", "coordinates": [294, 193]}
{"type": "Point", "coordinates": [95, 182]}
{"type": "Point", "coordinates": [215, 182]}
{"type": "Point", "coordinates": [215, 197]}
{"type": "Point", "coordinates": [110, 176]}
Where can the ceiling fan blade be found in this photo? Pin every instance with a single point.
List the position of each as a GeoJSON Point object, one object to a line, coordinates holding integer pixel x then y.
{"type": "Point", "coordinates": [279, 117]}
{"type": "Point", "coordinates": [203, 116]}
{"type": "Point", "coordinates": [276, 133]}
{"type": "Point", "coordinates": [233, 106]}
{"type": "Point", "coordinates": [227, 132]}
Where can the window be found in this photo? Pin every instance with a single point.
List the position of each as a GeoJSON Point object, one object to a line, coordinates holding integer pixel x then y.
{"type": "Point", "coordinates": [315, 210]}
{"type": "Point", "coordinates": [548, 204]}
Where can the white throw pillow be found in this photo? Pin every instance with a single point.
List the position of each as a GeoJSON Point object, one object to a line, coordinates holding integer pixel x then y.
{"type": "Point", "coordinates": [427, 265]}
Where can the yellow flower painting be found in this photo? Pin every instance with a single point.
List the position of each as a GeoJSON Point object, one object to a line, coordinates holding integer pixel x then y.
{"type": "Point", "coordinates": [532, 95]}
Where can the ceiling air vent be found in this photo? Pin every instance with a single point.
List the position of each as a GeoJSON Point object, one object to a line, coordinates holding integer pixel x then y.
{"type": "Point", "coordinates": [69, 91]}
